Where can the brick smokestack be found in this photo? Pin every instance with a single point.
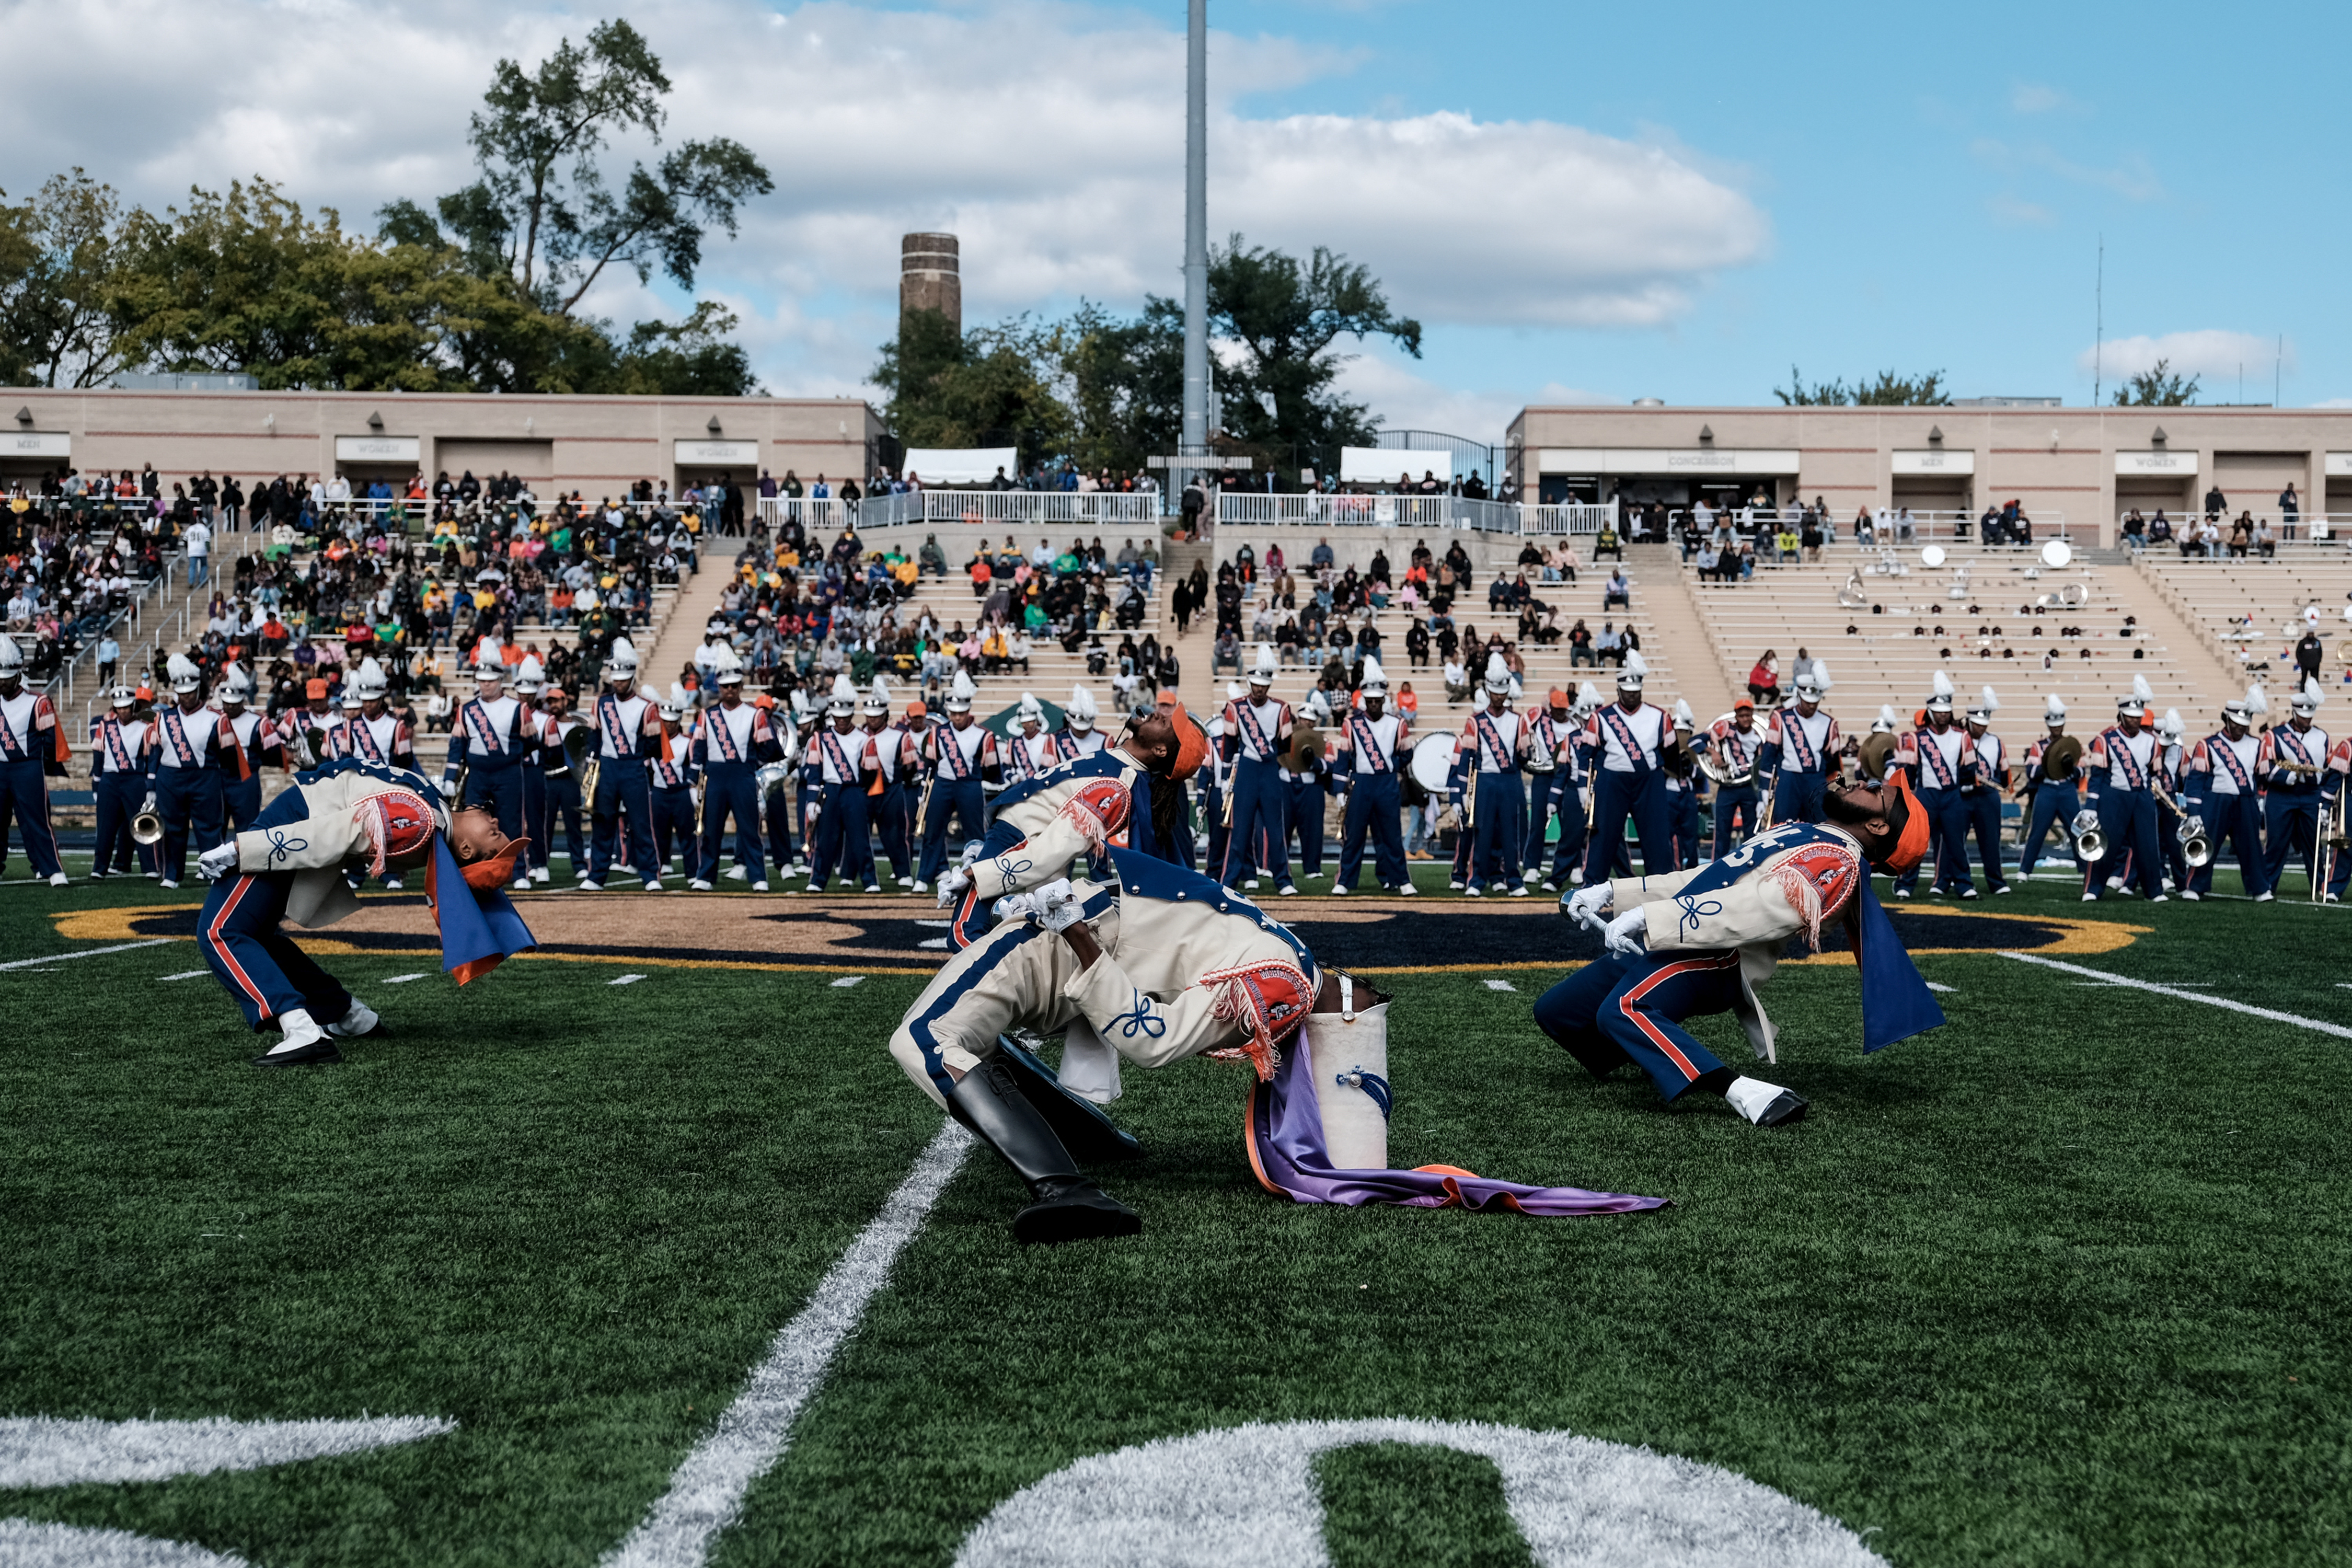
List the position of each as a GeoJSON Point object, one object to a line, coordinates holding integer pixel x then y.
{"type": "Point", "coordinates": [929, 277]}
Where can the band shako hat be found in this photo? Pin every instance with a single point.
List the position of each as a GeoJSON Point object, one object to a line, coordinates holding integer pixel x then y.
{"type": "Point", "coordinates": [961, 692]}
{"type": "Point", "coordinates": [183, 670]}
{"type": "Point", "coordinates": [1939, 695]}
{"type": "Point", "coordinates": [1987, 705]}
{"type": "Point", "coordinates": [1634, 670]}
{"type": "Point", "coordinates": [2136, 703]}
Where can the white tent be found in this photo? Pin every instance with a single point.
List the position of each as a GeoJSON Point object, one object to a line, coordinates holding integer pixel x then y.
{"type": "Point", "coordinates": [960, 466]}
{"type": "Point", "coordinates": [1382, 465]}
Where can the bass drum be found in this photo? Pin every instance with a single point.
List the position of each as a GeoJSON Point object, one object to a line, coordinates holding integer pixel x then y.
{"type": "Point", "coordinates": [1433, 762]}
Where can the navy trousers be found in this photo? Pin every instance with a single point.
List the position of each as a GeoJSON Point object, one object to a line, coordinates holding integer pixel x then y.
{"type": "Point", "coordinates": [890, 809]}
{"type": "Point", "coordinates": [2127, 817]}
{"type": "Point", "coordinates": [1980, 815]}
{"type": "Point", "coordinates": [240, 802]}
{"type": "Point", "coordinates": [2291, 827]}
{"type": "Point", "coordinates": [1372, 808]}
{"type": "Point", "coordinates": [534, 813]}
{"type": "Point", "coordinates": [1259, 825]}
{"type": "Point", "coordinates": [673, 828]}
{"type": "Point", "coordinates": [1800, 798]}
{"type": "Point", "coordinates": [2168, 836]}
{"type": "Point", "coordinates": [844, 837]}
{"type": "Point", "coordinates": [189, 800]}
{"type": "Point", "coordinates": [1683, 803]}
{"type": "Point", "coordinates": [25, 795]}
{"type": "Point", "coordinates": [1743, 806]}
{"type": "Point", "coordinates": [2234, 822]}
{"type": "Point", "coordinates": [1549, 795]}
{"type": "Point", "coordinates": [1948, 849]}
{"type": "Point", "coordinates": [119, 799]}
{"type": "Point", "coordinates": [2052, 809]}
{"type": "Point", "coordinates": [1499, 820]}
{"type": "Point", "coordinates": [1212, 821]}
{"type": "Point", "coordinates": [500, 791]}
{"type": "Point", "coordinates": [1642, 798]}
{"type": "Point", "coordinates": [254, 961]}
{"type": "Point", "coordinates": [563, 806]}
{"type": "Point", "coordinates": [1306, 814]}
{"type": "Point", "coordinates": [1630, 1008]}
{"type": "Point", "coordinates": [732, 790]}
{"type": "Point", "coordinates": [962, 802]}
{"type": "Point", "coordinates": [624, 788]}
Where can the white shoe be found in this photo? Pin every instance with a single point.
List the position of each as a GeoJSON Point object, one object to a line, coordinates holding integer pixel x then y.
{"type": "Point", "coordinates": [2193, 896]}
{"type": "Point", "coordinates": [580, 874]}
{"type": "Point", "coordinates": [1250, 885]}
{"type": "Point", "coordinates": [1339, 892]}
{"type": "Point", "coordinates": [2116, 884]}
{"type": "Point", "coordinates": [2161, 898]}
{"type": "Point", "coordinates": [539, 875]}
{"type": "Point", "coordinates": [358, 1021]}
{"type": "Point", "coordinates": [1406, 890]}
{"type": "Point", "coordinates": [1530, 875]}
{"type": "Point", "coordinates": [2264, 897]}
{"type": "Point", "coordinates": [921, 885]}
{"type": "Point", "coordinates": [653, 885]}
{"type": "Point", "coordinates": [1474, 892]}
{"type": "Point", "coordinates": [873, 887]}
{"type": "Point", "coordinates": [1551, 886]}
{"type": "Point", "coordinates": [301, 1030]}
{"type": "Point", "coordinates": [521, 884]}
{"type": "Point", "coordinates": [737, 873]}
{"type": "Point", "coordinates": [56, 878]}
{"type": "Point", "coordinates": [1576, 876]}
{"type": "Point", "coordinates": [2090, 897]}
{"type": "Point", "coordinates": [2166, 885]}
{"type": "Point", "coordinates": [1287, 890]}
{"type": "Point", "coordinates": [1997, 892]}
{"type": "Point", "coordinates": [1457, 887]}
{"type": "Point", "coordinates": [756, 887]}
{"type": "Point", "coordinates": [698, 886]}
{"type": "Point", "coordinates": [1520, 891]}
{"type": "Point", "coordinates": [1764, 1104]}
{"type": "Point", "coordinates": [167, 882]}
{"type": "Point", "coordinates": [1902, 893]}
{"type": "Point", "coordinates": [392, 884]}
{"type": "Point", "coordinates": [1969, 891]}
{"type": "Point", "coordinates": [591, 887]}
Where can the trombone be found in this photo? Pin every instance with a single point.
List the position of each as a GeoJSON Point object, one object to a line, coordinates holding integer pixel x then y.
{"type": "Point", "coordinates": [2333, 840]}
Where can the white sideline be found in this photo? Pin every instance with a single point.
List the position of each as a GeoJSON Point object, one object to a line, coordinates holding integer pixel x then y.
{"type": "Point", "coordinates": [2319, 1024]}
{"type": "Point", "coordinates": [88, 952]}
{"type": "Point", "coordinates": [707, 1487]}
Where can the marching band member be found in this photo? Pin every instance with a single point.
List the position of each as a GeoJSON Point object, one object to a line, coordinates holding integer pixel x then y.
{"type": "Point", "coordinates": [1306, 787]}
{"type": "Point", "coordinates": [1031, 751]}
{"type": "Point", "coordinates": [1552, 788]}
{"type": "Point", "coordinates": [2052, 804]}
{"type": "Point", "coordinates": [843, 765]}
{"type": "Point", "coordinates": [1704, 942]}
{"type": "Point", "coordinates": [118, 766]}
{"type": "Point", "coordinates": [2293, 756]}
{"type": "Point", "coordinates": [2333, 783]}
{"type": "Point", "coordinates": [1681, 763]}
{"type": "Point", "coordinates": [531, 692]}
{"type": "Point", "coordinates": [1985, 782]}
{"type": "Point", "coordinates": [2121, 762]}
{"type": "Point", "coordinates": [34, 749]}
{"type": "Point", "coordinates": [2219, 776]}
{"type": "Point", "coordinates": [628, 737]}
{"type": "Point", "coordinates": [488, 745]}
{"type": "Point", "coordinates": [256, 738]}
{"type": "Point", "coordinates": [563, 803]}
{"type": "Point", "coordinates": [898, 766]}
{"type": "Point", "coordinates": [1160, 824]}
{"type": "Point", "coordinates": [736, 741]}
{"type": "Point", "coordinates": [194, 751]}
{"type": "Point", "coordinates": [1485, 786]}
{"type": "Point", "coordinates": [302, 733]}
{"type": "Point", "coordinates": [348, 817]}
{"type": "Point", "coordinates": [962, 761]}
{"type": "Point", "coordinates": [371, 732]}
{"type": "Point", "coordinates": [1374, 747]}
{"type": "Point", "coordinates": [1936, 754]}
{"type": "Point", "coordinates": [1078, 737]}
{"type": "Point", "coordinates": [1256, 733]}
{"type": "Point", "coordinates": [1155, 966]}
{"type": "Point", "coordinates": [2170, 758]}
{"type": "Point", "coordinates": [1622, 745]}
{"type": "Point", "coordinates": [674, 781]}
{"type": "Point", "coordinates": [916, 724]}
{"type": "Point", "coordinates": [1042, 826]}
{"type": "Point", "coordinates": [1217, 790]}
{"type": "Point", "coordinates": [1737, 745]}
{"type": "Point", "coordinates": [1801, 746]}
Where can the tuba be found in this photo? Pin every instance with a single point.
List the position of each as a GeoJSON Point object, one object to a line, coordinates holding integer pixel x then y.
{"type": "Point", "coordinates": [581, 754]}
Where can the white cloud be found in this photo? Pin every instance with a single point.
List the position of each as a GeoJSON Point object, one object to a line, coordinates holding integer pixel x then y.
{"type": "Point", "coordinates": [2011, 213]}
{"type": "Point", "coordinates": [2211, 353]}
{"type": "Point", "coordinates": [2039, 97]}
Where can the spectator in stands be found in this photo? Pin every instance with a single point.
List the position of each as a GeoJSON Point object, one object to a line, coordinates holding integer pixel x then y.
{"type": "Point", "coordinates": [2159, 527]}
{"type": "Point", "coordinates": [1617, 591]}
{"type": "Point", "coordinates": [2290, 511]}
{"type": "Point", "coordinates": [2134, 530]}
{"type": "Point", "coordinates": [1764, 680]}
{"type": "Point", "coordinates": [1226, 652]}
{"type": "Point", "coordinates": [2216, 503]}
{"type": "Point", "coordinates": [2264, 539]}
{"type": "Point", "coordinates": [1608, 648]}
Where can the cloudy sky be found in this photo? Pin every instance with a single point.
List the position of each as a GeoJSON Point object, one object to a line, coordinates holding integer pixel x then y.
{"type": "Point", "coordinates": [1579, 203]}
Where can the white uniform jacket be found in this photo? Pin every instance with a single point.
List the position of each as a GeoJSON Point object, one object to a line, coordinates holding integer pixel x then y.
{"type": "Point", "coordinates": [1072, 809]}
{"type": "Point", "coordinates": [330, 832]}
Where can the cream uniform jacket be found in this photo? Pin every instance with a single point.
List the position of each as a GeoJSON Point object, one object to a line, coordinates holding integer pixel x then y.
{"type": "Point", "coordinates": [316, 848]}
{"type": "Point", "coordinates": [1068, 812]}
{"type": "Point", "coordinates": [1791, 880]}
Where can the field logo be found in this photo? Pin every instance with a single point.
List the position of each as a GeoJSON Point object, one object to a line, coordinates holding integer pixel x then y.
{"type": "Point", "coordinates": [1247, 1495]}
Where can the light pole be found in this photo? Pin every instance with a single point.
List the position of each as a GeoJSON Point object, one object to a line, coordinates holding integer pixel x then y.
{"type": "Point", "coordinates": [1196, 232]}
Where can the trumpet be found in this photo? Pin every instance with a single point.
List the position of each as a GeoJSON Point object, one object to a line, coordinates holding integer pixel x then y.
{"type": "Point", "coordinates": [2090, 842]}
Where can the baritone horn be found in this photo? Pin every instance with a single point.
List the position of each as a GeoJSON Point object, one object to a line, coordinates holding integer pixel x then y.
{"type": "Point", "coordinates": [2090, 842]}
{"type": "Point", "coordinates": [147, 827]}
{"type": "Point", "coordinates": [2195, 845]}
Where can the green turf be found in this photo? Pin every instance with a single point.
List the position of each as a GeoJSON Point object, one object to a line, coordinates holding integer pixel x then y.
{"type": "Point", "coordinates": [2062, 1282]}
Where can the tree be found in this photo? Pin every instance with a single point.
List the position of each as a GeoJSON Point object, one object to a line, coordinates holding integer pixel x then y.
{"type": "Point", "coordinates": [543, 213]}
{"type": "Point", "coordinates": [690, 359]}
{"type": "Point", "coordinates": [1000, 386]}
{"type": "Point", "coordinates": [58, 262]}
{"type": "Point", "coordinates": [1889, 391]}
{"type": "Point", "coordinates": [1285, 315]}
{"type": "Point", "coordinates": [2157, 388]}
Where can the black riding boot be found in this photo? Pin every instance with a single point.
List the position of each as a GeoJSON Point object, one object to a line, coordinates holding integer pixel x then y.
{"type": "Point", "coordinates": [1090, 1136]}
{"type": "Point", "coordinates": [1069, 1208]}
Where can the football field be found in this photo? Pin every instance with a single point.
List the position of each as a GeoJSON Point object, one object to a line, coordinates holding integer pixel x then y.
{"type": "Point", "coordinates": [643, 1250]}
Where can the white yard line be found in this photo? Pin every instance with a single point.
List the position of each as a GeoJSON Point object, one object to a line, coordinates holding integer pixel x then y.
{"type": "Point", "coordinates": [848, 979]}
{"type": "Point", "coordinates": [189, 974]}
{"type": "Point", "coordinates": [625, 980]}
{"type": "Point", "coordinates": [707, 1491]}
{"type": "Point", "coordinates": [88, 952]}
{"type": "Point", "coordinates": [1500, 985]}
{"type": "Point", "coordinates": [404, 979]}
{"type": "Point", "coordinates": [2318, 1025]}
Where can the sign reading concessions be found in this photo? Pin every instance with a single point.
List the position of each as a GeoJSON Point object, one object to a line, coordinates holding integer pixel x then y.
{"type": "Point", "coordinates": [2158, 464]}
{"type": "Point", "coordinates": [379, 449]}
{"type": "Point", "coordinates": [716, 454]}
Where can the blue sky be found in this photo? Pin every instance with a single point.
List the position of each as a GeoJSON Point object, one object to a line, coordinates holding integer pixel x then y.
{"type": "Point", "coordinates": [1579, 203]}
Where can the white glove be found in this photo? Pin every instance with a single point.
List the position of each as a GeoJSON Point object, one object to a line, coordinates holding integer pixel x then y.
{"type": "Point", "coordinates": [218, 862]}
{"type": "Point", "coordinates": [1585, 906]}
{"type": "Point", "coordinates": [953, 882]}
{"type": "Point", "coordinates": [1057, 906]}
{"type": "Point", "coordinates": [2085, 820]}
{"type": "Point", "coordinates": [449, 791]}
{"type": "Point", "coordinates": [1627, 932]}
{"type": "Point", "coordinates": [1014, 907]}
{"type": "Point", "coordinates": [148, 804]}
